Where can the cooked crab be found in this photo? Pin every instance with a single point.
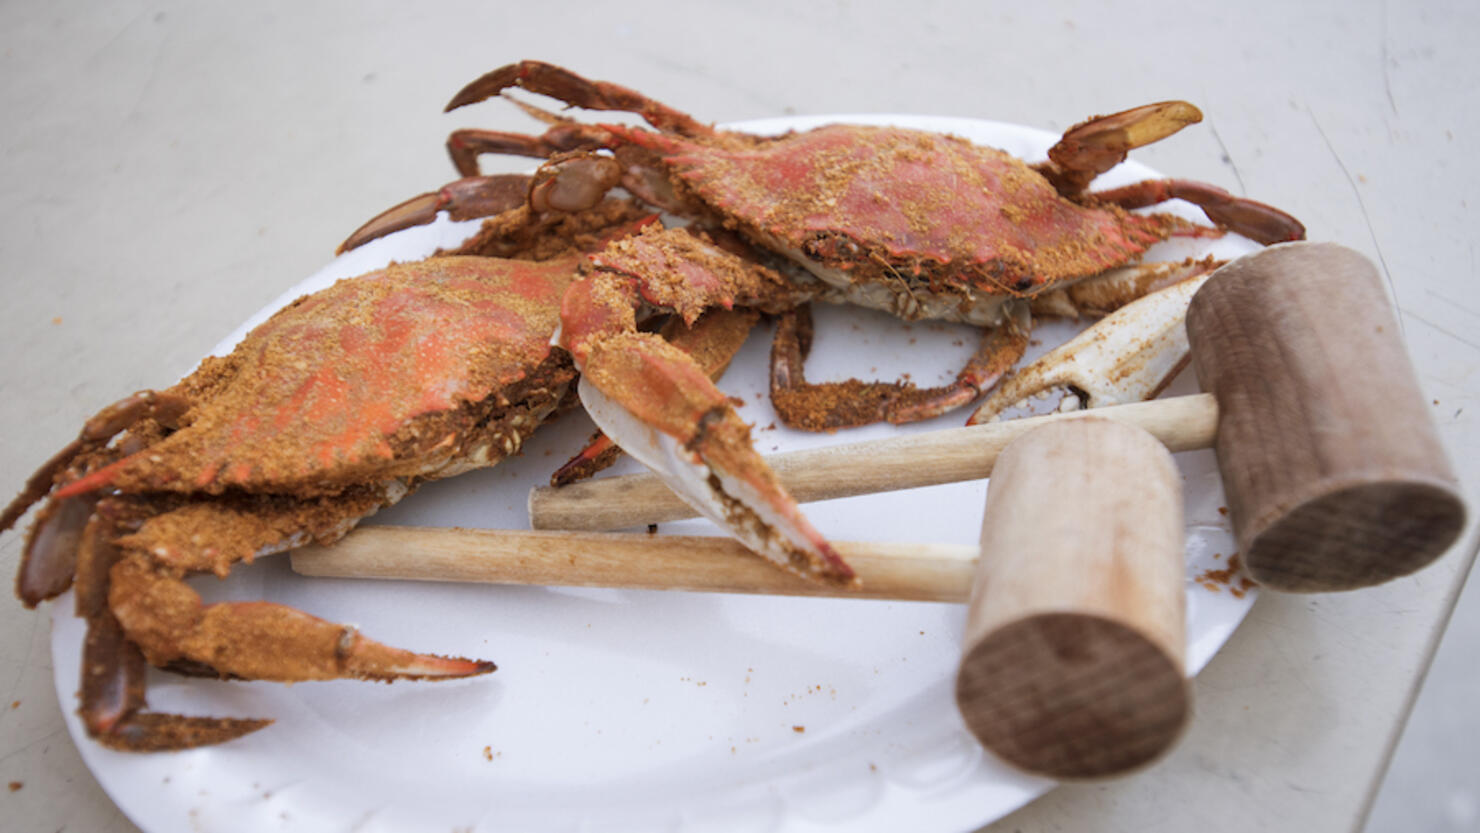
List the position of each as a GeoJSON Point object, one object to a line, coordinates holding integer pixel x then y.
{"type": "Point", "coordinates": [339, 404]}
{"type": "Point", "coordinates": [920, 225]}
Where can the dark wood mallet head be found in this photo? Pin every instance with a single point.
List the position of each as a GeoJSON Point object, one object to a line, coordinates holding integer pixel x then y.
{"type": "Point", "coordinates": [1335, 475]}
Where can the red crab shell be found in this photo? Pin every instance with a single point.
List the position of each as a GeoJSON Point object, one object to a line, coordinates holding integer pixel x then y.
{"type": "Point", "coordinates": [372, 378]}
{"type": "Point", "coordinates": [854, 198]}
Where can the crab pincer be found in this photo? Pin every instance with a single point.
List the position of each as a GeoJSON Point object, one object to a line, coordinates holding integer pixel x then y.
{"type": "Point", "coordinates": [659, 405]}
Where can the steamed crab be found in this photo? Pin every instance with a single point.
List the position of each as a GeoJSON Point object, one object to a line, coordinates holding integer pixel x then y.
{"type": "Point", "coordinates": [919, 225]}
{"type": "Point", "coordinates": [339, 404]}
{"type": "Point", "coordinates": [348, 399]}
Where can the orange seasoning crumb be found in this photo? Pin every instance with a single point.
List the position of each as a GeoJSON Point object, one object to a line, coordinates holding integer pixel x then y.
{"type": "Point", "coordinates": [799, 729]}
{"type": "Point", "coordinates": [1214, 579]}
{"type": "Point", "coordinates": [15, 786]}
{"type": "Point", "coordinates": [58, 320]}
{"type": "Point", "coordinates": [488, 753]}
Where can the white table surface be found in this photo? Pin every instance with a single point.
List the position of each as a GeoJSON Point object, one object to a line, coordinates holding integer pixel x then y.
{"type": "Point", "coordinates": [170, 167]}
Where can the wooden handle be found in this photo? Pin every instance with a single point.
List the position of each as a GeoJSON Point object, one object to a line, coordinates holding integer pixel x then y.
{"type": "Point", "coordinates": [1335, 475]}
{"type": "Point", "coordinates": [949, 456]}
{"type": "Point", "coordinates": [917, 572]}
{"type": "Point", "coordinates": [1073, 662]}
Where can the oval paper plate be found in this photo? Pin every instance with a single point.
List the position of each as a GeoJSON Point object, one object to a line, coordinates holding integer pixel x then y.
{"type": "Point", "coordinates": [636, 710]}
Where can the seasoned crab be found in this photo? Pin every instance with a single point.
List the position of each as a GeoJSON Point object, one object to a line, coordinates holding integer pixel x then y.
{"type": "Point", "coordinates": [917, 224]}
{"type": "Point", "coordinates": [339, 404]}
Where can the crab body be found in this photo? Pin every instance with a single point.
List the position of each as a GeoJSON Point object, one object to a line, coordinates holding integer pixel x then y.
{"type": "Point", "coordinates": [339, 404]}
{"type": "Point", "coordinates": [385, 376]}
{"type": "Point", "coordinates": [921, 225]}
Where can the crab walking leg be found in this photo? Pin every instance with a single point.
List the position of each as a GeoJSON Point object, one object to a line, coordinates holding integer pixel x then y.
{"type": "Point", "coordinates": [50, 553]}
{"type": "Point", "coordinates": [164, 408]}
{"type": "Point", "coordinates": [564, 85]}
{"type": "Point", "coordinates": [256, 640]}
{"type": "Point", "coordinates": [826, 406]}
{"type": "Point", "coordinates": [112, 686]}
{"type": "Point", "coordinates": [464, 199]}
{"type": "Point", "coordinates": [1096, 145]}
{"type": "Point", "coordinates": [466, 145]}
{"type": "Point", "coordinates": [1259, 222]}
{"type": "Point", "coordinates": [1127, 356]}
{"type": "Point", "coordinates": [1109, 291]}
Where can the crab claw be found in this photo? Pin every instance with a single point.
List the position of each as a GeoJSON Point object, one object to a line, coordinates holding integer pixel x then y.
{"type": "Point", "coordinates": [1127, 356]}
{"type": "Point", "coordinates": [660, 407]}
{"type": "Point", "coordinates": [712, 342]}
{"type": "Point", "coordinates": [658, 403]}
{"type": "Point", "coordinates": [1096, 145]}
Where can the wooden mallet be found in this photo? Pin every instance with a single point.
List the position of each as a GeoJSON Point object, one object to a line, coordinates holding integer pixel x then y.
{"type": "Point", "coordinates": [1073, 659]}
{"type": "Point", "coordinates": [1334, 471]}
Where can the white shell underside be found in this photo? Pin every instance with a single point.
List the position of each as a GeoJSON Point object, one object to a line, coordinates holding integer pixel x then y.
{"type": "Point", "coordinates": [709, 491]}
{"type": "Point", "coordinates": [899, 298]}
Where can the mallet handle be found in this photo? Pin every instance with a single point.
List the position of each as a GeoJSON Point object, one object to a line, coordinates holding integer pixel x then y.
{"type": "Point", "coordinates": [915, 572]}
{"type": "Point", "coordinates": [948, 456]}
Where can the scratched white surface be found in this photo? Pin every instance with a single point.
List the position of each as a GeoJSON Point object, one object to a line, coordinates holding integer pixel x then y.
{"type": "Point", "coordinates": [171, 166]}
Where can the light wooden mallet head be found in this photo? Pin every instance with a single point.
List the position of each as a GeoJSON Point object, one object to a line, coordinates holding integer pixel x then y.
{"type": "Point", "coordinates": [1073, 657]}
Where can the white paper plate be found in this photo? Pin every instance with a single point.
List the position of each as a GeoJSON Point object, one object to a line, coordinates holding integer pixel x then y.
{"type": "Point", "coordinates": [631, 710]}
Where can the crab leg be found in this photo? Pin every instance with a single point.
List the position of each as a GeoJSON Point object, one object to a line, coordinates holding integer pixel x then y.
{"type": "Point", "coordinates": [661, 407]}
{"type": "Point", "coordinates": [1098, 144]}
{"type": "Point", "coordinates": [562, 84]}
{"type": "Point", "coordinates": [165, 408]}
{"type": "Point", "coordinates": [129, 592]}
{"type": "Point", "coordinates": [1254, 220]}
{"type": "Point", "coordinates": [466, 145]}
{"type": "Point", "coordinates": [827, 406]}
{"type": "Point", "coordinates": [465, 199]}
{"type": "Point", "coordinates": [48, 559]}
{"type": "Point", "coordinates": [112, 686]}
{"type": "Point", "coordinates": [1109, 291]}
{"type": "Point", "coordinates": [712, 341]}
{"type": "Point", "coordinates": [1127, 356]}
{"type": "Point", "coordinates": [256, 640]}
